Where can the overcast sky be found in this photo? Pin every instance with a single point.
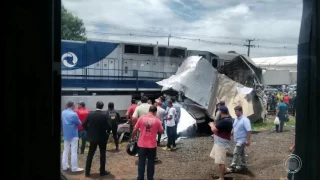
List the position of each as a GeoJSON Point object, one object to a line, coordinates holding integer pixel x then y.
{"type": "Point", "coordinates": [275, 23]}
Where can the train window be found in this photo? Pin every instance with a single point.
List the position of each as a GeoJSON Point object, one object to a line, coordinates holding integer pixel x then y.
{"type": "Point", "coordinates": [126, 69]}
{"type": "Point", "coordinates": [162, 51]}
{"type": "Point", "coordinates": [131, 49]}
{"type": "Point", "coordinates": [177, 53]}
{"type": "Point", "coordinates": [105, 65]}
{"type": "Point", "coordinates": [146, 50]}
{"type": "Point", "coordinates": [214, 62]}
{"type": "Point", "coordinates": [97, 64]}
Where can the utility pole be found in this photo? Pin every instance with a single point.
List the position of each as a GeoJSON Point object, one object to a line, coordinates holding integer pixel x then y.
{"type": "Point", "coordinates": [249, 45]}
{"type": "Point", "coordinates": [169, 39]}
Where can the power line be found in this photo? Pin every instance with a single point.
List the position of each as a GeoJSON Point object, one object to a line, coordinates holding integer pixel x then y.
{"type": "Point", "coordinates": [157, 31]}
{"type": "Point", "coordinates": [275, 47]}
{"type": "Point", "coordinates": [170, 36]}
{"type": "Point", "coordinates": [191, 39]}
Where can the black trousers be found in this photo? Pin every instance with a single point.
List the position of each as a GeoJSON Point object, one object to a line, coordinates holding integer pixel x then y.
{"type": "Point", "coordinates": [92, 149]}
{"type": "Point", "coordinates": [159, 138]}
{"type": "Point", "coordinates": [144, 154]}
{"type": "Point", "coordinates": [280, 126]}
{"type": "Point", "coordinates": [176, 131]}
{"type": "Point", "coordinates": [114, 134]}
{"type": "Point", "coordinates": [83, 136]}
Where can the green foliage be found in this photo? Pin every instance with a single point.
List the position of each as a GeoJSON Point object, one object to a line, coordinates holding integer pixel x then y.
{"type": "Point", "coordinates": [268, 125]}
{"type": "Point", "coordinates": [72, 28]}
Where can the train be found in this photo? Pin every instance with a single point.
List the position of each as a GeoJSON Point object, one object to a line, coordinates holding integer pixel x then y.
{"type": "Point", "coordinates": [120, 71]}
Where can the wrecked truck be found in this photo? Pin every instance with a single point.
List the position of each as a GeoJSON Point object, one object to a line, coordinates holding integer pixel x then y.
{"type": "Point", "coordinates": [200, 87]}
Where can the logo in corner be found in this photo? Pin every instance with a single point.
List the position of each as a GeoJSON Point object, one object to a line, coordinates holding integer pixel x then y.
{"type": "Point", "coordinates": [292, 163]}
{"type": "Point", "coordinates": [69, 55]}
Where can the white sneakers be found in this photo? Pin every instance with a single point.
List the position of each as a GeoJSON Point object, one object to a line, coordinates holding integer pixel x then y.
{"type": "Point", "coordinates": [74, 170]}
{"type": "Point", "coordinates": [77, 170]}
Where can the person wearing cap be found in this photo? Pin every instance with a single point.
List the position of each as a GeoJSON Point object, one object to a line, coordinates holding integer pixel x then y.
{"type": "Point", "coordinates": [161, 113]}
{"type": "Point", "coordinates": [82, 112]}
{"type": "Point", "coordinates": [242, 136]}
{"type": "Point", "coordinates": [222, 137]}
{"type": "Point", "coordinates": [218, 113]}
{"type": "Point", "coordinates": [70, 122]}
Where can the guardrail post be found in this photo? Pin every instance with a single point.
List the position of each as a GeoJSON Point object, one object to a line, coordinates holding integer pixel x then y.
{"type": "Point", "coordinates": [136, 74]}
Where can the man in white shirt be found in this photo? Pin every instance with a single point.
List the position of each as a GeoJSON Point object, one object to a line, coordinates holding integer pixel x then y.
{"type": "Point", "coordinates": [141, 109]}
{"type": "Point", "coordinates": [170, 122]}
{"type": "Point", "coordinates": [161, 113]}
{"type": "Point", "coordinates": [177, 106]}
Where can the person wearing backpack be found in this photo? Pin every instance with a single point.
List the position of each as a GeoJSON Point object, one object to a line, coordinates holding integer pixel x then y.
{"type": "Point", "coordinates": [114, 118]}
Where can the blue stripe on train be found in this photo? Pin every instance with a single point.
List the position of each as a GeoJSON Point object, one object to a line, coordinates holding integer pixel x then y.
{"type": "Point", "coordinates": [97, 83]}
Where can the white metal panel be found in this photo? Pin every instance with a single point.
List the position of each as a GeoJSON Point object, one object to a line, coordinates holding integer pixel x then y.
{"type": "Point", "coordinates": [135, 65]}
{"type": "Point", "coordinates": [161, 68]}
{"type": "Point", "coordinates": [98, 69]}
{"type": "Point", "coordinates": [155, 69]}
{"type": "Point", "coordinates": [277, 77]}
{"type": "Point", "coordinates": [112, 67]}
{"type": "Point", "coordinates": [145, 68]}
{"type": "Point", "coordinates": [105, 67]}
{"type": "Point", "coordinates": [280, 60]}
{"type": "Point", "coordinates": [121, 102]}
{"type": "Point", "coordinates": [293, 76]}
{"type": "Point", "coordinates": [127, 68]}
{"type": "Point", "coordinates": [195, 79]}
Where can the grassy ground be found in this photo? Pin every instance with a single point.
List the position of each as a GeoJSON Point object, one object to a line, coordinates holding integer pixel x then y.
{"type": "Point", "coordinates": [268, 124]}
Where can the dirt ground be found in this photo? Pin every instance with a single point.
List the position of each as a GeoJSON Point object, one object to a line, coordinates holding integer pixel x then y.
{"type": "Point", "coordinates": [191, 160]}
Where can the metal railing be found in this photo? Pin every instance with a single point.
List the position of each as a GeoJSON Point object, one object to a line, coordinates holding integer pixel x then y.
{"type": "Point", "coordinates": [111, 78]}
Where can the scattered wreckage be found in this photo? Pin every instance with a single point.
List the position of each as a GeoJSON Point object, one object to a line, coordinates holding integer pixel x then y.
{"type": "Point", "coordinates": [200, 87]}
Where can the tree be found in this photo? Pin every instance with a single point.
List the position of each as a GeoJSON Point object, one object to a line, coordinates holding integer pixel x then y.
{"type": "Point", "coordinates": [72, 28]}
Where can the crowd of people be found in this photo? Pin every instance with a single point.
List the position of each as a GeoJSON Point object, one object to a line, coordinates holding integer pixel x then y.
{"type": "Point", "coordinates": [272, 99]}
{"type": "Point", "coordinates": [147, 124]}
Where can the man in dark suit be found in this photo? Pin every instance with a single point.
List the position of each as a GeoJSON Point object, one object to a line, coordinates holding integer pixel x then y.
{"type": "Point", "coordinates": [97, 125]}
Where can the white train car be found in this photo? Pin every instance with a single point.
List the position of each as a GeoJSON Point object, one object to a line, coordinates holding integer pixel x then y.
{"type": "Point", "coordinates": [111, 66]}
{"type": "Point", "coordinates": [112, 69]}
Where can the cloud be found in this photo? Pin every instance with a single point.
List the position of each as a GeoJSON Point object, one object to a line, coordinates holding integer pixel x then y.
{"type": "Point", "coordinates": [274, 23]}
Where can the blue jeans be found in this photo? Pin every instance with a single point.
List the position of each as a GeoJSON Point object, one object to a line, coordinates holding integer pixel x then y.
{"type": "Point", "coordinates": [144, 154]}
{"type": "Point", "coordinates": [171, 136]}
{"type": "Point", "coordinates": [83, 136]}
